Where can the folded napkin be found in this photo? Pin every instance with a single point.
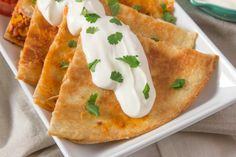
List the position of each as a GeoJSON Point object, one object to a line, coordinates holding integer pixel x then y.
{"type": "Point", "coordinates": [23, 134]}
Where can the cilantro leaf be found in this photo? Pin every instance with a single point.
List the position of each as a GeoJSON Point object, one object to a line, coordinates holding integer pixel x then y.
{"type": "Point", "coordinates": [84, 11]}
{"type": "Point", "coordinates": [131, 60]}
{"type": "Point", "coordinates": [146, 91]}
{"type": "Point", "coordinates": [115, 38]}
{"type": "Point", "coordinates": [92, 17]}
{"type": "Point", "coordinates": [64, 65]}
{"type": "Point", "coordinates": [91, 106]}
{"type": "Point", "coordinates": [72, 44]}
{"type": "Point", "coordinates": [93, 98]}
{"type": "Point", "coordinates": [116, 21]}
{"type": "Point", "coordinates": [92, 66]}
{"type": "Point", "coordinates": [137, 7]}
{"type": "Point", "coordinates": [155, 39]}
{"type": "Point", "coordinates": [116, 76]}
{"type": "Point", "coordinates": [168, 17]}
{"type": "Point", "coordinates": [114, 7]}
{"type": "Point", "coordinates": [164, 7]}
{"type": "Point", "coordinates": [178, 83]}
{"type": "Point", "coordinates": [92, 30]}
{"type": "Point", "coordinates": [78, 0]}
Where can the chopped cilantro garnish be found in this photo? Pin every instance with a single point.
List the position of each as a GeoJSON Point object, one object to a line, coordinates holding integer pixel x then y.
{"type": "Point", "coordinates": [115, 38]}
{"type": "Point", "coordinates": [137, 7]}
{"type": "Point", "coordinates": [146, 91]}
{"type": "Point", "coordinates": [91, 106]}
{"type": "Point", "coordinates": [131, 60]}
{"type": "Point", "coordinates": [92, 66]}
{"type": "Point", "coordinates": [84, 11]}
{"type": "Point", "coordinates": [92, 30]}
{"type": "Point", "coordinates": [116, 76]}
{"type": "Point", "coordinates": [114, 7]}
{"type": "Point", "coordinates": [72, 44]}
{"type": "Point", "coordinates": [115, 21]}
{"type": "Point", "coordinates": [164, 7]}
{"type": "Point", "coordinates": [92, 17]}
{"type": "Point", "coordinates": [155, 39]}
{"type": "Point", "coordinates": [167, 16]}
{"type": "Point", "coordinates": [78, 0]}
{"type": "Point", "coordinates": [178, 83]}
{"type": "Point", "coordinates": [64, 65]}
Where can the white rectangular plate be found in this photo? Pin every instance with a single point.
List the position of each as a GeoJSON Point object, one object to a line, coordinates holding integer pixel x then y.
{"type": "Point", "coordinates": [219, 93]}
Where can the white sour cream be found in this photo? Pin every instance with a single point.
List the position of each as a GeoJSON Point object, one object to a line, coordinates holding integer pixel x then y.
{"type": "Point", "coordinates": [230, 4]}
{"type": "Point", "coordinates": [52, 10]}
{"type": "Point", "coordinates": [96, 46]}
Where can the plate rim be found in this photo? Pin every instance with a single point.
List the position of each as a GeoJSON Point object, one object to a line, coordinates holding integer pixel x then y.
{"type": "Point", "coordinates": [202, 4]}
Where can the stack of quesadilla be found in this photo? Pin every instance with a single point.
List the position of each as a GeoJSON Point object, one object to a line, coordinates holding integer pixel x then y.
{"type": "Point", "coordinates": [53, 60]}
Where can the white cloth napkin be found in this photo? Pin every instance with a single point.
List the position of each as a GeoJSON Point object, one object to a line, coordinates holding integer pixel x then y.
{"type": "Point", "coordinates": [22, 133]}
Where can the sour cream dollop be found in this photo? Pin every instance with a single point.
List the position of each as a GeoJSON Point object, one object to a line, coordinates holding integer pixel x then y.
{"type": "Point", "coordinates": [113, 70]}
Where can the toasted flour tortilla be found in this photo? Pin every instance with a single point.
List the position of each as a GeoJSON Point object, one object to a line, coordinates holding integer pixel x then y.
{"type": "Point", "coordinates": [18, 26]}
{"type": "Point", "coordinates": [48, 87]}
{"type": "Point", "coordinates": [39, 38]}
{"type": "Point", "coordinates": [53, 72]}
{"type": "Point", "coordinates": [71, 120]}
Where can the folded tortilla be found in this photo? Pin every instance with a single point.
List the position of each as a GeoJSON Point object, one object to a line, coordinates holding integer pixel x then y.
{"type": "Point", "coordinates": [49, 84]}
{"type": "Point", "coordinates": [71, 120]}
{"type": "Point", "coordinates": [150, 7]}
{"type": "Point", "coordinates": [19, 24]}
{"type": "Point", "coordinates": [55, 65]}
{"type": "Point", "coordinates": [39, 38]}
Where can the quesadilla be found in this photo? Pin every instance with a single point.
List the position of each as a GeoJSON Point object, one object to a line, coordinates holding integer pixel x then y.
{"type": "Point", "coordinates": [71, 120]}
{"type": "Point", "coordinates": [39, 38]}
{"type": "Point", "coordinates": [19, 24]}
{"type": "Point", "coordinates": [55, 65]}
{"type": "Point", "coordinates": [154, 28]}
{"type": "Point", "coordinates": [48, 87]}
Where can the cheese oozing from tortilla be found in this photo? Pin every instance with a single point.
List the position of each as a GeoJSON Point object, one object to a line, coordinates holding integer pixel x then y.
{"type": "Point", "coordinates": [134, 90]}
